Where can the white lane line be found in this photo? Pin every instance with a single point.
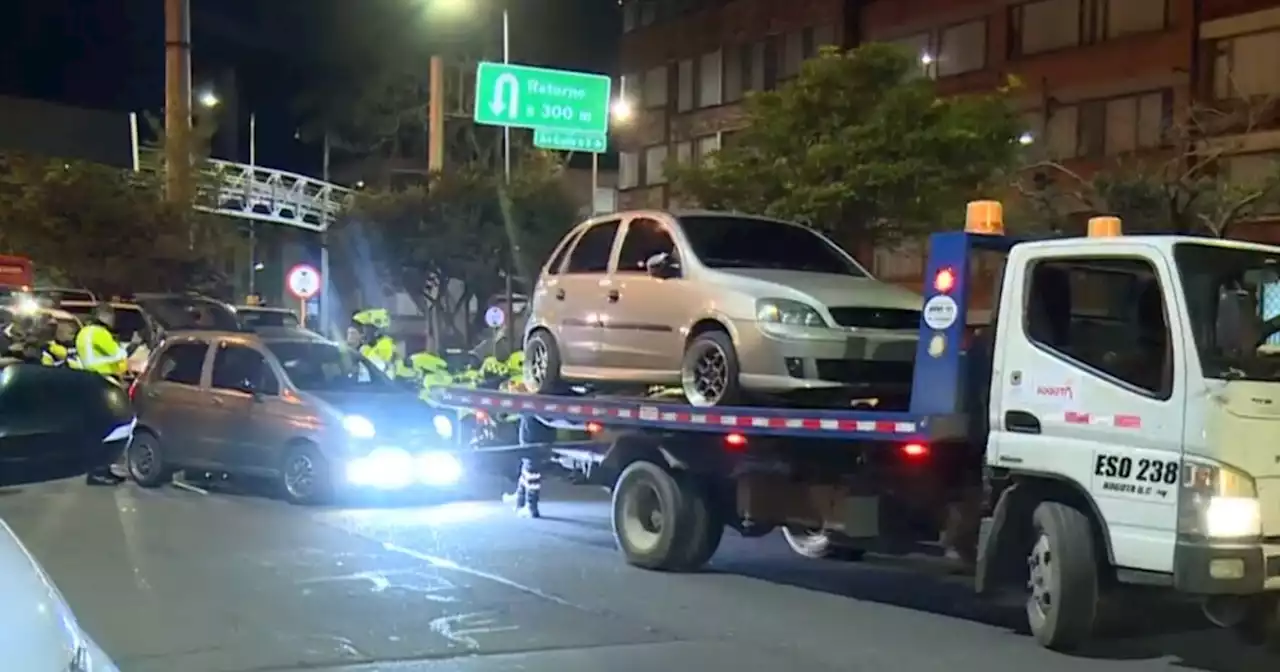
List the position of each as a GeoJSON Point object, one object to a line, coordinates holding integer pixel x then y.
{"type": "Point", "coordinates": [444, 563]}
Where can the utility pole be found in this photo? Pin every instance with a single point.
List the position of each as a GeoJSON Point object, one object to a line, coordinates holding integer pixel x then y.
{"type": "Point", "coordinates": [435, 116]}
{"type": "Point", "coordinates": [177, 107]}
{"type": "Point", "coordinates": [510, 322]}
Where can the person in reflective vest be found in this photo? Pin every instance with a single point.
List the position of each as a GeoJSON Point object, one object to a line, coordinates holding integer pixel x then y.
{"type": "Point", "coordinates": [401, 369]}
{"type": "Point", "coordinates": [61, 350]}
{"type": "Point", "coordinates": [379, 348]}
{"type": "Point", "coordinates": [99, 352]}
{"type": "Point", "coordinates": [515, 372]}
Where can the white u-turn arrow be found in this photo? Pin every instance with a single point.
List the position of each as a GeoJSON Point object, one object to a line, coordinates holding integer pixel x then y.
{"type": "Point", "coordinates": [509, 103]}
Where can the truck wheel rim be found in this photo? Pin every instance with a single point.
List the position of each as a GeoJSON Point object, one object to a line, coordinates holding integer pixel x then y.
{"type": "Point", "coordinates": [707, 376]}
{"type": "Point", "coordinates": [536, 363]}
{"type": "Point", "coordinates": [299, 476]}
{"type": "Point", "coordinates": [808, 542]}
{"type": "Point", "coordinates": [642, 518]}
{"type": "Point", "coordinates": [1042, 581]}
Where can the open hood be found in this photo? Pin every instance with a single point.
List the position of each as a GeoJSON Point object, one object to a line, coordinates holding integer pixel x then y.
{"type": "Point", "coordinates": [178, 312]}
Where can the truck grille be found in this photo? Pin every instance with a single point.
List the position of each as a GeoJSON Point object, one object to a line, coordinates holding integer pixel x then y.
{"type": "Point", "coordinates": [877, 318]}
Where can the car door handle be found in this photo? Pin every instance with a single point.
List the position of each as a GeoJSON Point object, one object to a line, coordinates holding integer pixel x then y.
{"type": "Point", "coordinates": [613, 296]}
{"type": "Point", "coordinates": [1021, 422]}
{"type": "Point", "coordinates": [559, 295]}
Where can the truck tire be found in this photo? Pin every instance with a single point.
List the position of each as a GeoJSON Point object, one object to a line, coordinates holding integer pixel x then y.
{"type": "Point", "coordinates": [707, 525]}
{"type": "Point", "coordinates": [818, 545]}
{"type": "Point", "coordinates": [655, 521]}
{"type": "Point", "coordinates": [1062, 603]}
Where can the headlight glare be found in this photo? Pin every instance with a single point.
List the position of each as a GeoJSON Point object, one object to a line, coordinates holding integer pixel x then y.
{"type": "Point", "coordinates": [359, 426]}
{"type": "Point", "coordinates": [1216, 501]}
{"type": "Point", "coordinates": [444, 426]}
{"type": "Point", "coordinates": [788, 312]}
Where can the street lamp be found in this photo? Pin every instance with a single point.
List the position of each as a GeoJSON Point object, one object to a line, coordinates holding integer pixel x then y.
{"type": "Point", "coordinates": [209, 99]}
{"type": "Point", "coordinates": [622, 110]}
{"type": "Point", "coordinates": [456, 7]}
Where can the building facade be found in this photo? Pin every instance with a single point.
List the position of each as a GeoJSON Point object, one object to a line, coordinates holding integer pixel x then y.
{"type": "Point", "coordinates": [1100, 78]}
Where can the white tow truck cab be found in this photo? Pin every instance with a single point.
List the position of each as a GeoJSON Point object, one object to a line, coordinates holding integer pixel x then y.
{"type": "Point", "coordinates": [1114, 424]}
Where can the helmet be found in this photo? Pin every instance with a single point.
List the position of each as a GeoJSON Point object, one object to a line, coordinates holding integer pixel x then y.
{"type": "Point", "coordinates": [375, 317]}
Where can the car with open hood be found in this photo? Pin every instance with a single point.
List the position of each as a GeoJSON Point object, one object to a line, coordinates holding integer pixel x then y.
{"type": "Point", "coordinates": [309, 414]}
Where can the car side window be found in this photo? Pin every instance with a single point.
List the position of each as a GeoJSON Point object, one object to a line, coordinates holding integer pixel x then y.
{"type": "Point", "coordinates": [238, 368]}
{"type": "Point", "coordinates": [181, 363]}
{"type": "Point", "coordinates": [591, 253]}
{"type": "Point", "coordinates": [557, 260]}
{"type": "Point", "coordinates": [1105, 314]}
{"type": "Point", "coordinates": [645, 239]}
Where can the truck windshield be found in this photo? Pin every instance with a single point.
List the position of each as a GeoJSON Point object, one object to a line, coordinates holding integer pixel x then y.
{"type": "Point", "coordinates": [720, 241]}
{"type": "Point", "coordinates": [1207, 269]}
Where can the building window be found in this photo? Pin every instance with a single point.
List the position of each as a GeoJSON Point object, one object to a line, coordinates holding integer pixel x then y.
{"type": "Point", "coordinates": [628, 170]}
{"type": "Point", "coordinates": [630, 15]}
{"type": "Point", "coordinates": [734, 85]}
{"type": "Point", "coordinates": [962, 48]}
{"type": "Point", "coordinates": [710, 76]}
{"type": "Point", "coordinates": [648, 12]}
{"type": "Point", "coordinates": [753, 62]}
{"type": "Point", "coordinates": [792, 55]}
{"type": "Point", "coordinates": [1136, 122]}
{"type": "Point", "coordinates": [684, 152]}
{"type": "Point", "coordinates": [655, 87]}
{"type": "Point", "coordinates": [1062, 132]}
{"type": "Point", "coordinates": [919, 45]}
{"type": "Point", "coordinates": [1128, 17]}
{"type": "Point", "coordinates": [684, 85]}
{"type": "Point", "coordinates": [655, 165]}
{"type": "Point", "coordinates": [630, 86]}
{"type": "Point", "coordinates": [1045, 25]}
{"type": "Point", "coordinates": [706, 146]}
{"type": "Point", "coordinates": [1246, 66]}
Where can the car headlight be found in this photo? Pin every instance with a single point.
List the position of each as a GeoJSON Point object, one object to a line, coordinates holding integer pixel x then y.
{"type": "Point", "coordinates": [1218, 502]}
{"type": "Point", "coordinates": [788, 312]}
{"type": "Point", "coordinates": [359, 426]}
{"type": "Point", "coordinates": [439, 469]}
{"type": "Point", "coordinates": [444, 426]}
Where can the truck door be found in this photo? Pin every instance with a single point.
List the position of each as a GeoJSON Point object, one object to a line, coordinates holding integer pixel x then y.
{"type": "Point", "coordinates": [1090, 385]}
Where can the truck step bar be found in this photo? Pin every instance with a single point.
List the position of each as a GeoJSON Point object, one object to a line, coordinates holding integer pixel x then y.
{"type": "Point", "coordinates": [792, 422]}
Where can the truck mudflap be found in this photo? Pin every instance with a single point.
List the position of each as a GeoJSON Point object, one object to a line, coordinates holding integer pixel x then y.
{"type": "Point", "coordinates": [997, 546]}
{"type": "Point", "coordinates": [1218, 568]}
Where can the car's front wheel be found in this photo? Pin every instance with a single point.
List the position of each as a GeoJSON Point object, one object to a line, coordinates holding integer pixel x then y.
{"type": "Point", "coordinates": [306, 477]}
{"type": "Point", "coordinates": [709, 372]}
{"type": "Point", "coordinates": [144, 459]}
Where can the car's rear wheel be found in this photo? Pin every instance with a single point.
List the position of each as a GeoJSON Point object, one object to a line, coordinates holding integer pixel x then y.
{"type": "Point", "coordinates": [305, 476]}
{"type": "Point", "coordinates": [709, 372]}
{"type": "Point", "coordinates": [145, 461]}
{"type": "Point", "coordinates": [542, 363]}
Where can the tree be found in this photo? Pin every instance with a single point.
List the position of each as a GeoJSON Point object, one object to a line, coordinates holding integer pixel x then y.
{"type": "Point", "coordinates": [860, 145]}
{"type": "Point", "coordinates": [448, 243]}
{"type": "Point", "coordinates": [1185, 188]}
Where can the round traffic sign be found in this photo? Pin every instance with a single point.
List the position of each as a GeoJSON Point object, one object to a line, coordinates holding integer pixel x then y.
{"type": "Point", "coordinates": [494, 317]}
{"type": "Point", "coordinates": [303, 281]}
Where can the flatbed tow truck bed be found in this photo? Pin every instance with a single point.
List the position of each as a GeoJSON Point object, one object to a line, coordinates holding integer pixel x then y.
{"type": "Point", "coordinates": [1053, 472]}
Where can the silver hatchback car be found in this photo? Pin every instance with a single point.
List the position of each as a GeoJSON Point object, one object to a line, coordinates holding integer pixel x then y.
{"type": "Point", "coordinates": [291, 406]}
{"type": "Point", "coordinates": [726, 306]}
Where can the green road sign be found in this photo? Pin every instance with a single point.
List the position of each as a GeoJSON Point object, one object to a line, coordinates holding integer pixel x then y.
{"type": "Point", "coordinates": [537, 98]}
{"type": "Point", "coordinates": [595, 143]}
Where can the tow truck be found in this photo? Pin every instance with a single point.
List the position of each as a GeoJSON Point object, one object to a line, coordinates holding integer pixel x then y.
{"type": "Point", "coordinates": [1114, 426]}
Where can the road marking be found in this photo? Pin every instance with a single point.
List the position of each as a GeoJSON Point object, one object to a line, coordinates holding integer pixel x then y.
{"type": "Point", "coordinates": [473, 624]}
{"type": "Point", "coordinates": [443, 563]}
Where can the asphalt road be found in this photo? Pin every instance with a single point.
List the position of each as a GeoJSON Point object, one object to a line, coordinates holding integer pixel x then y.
{"type": "Point", "coordinates": [169, 580]}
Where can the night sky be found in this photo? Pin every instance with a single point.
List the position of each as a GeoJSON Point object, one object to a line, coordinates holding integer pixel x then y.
{"type": "Point", "coordinates": [110, 53]}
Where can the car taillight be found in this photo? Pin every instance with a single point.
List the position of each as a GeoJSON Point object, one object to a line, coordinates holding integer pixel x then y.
{"type": "Point", "coordinates": [915, 451]}
{"type": "Point", "coordinates": [594, 428]}
{"type": "Point", "coordinates": [735, 441]}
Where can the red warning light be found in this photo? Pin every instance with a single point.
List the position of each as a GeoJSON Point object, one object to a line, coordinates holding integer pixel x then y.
{"type": "Point", "coordinates": [915, 450]}
{"type": "Point", "coordinates": [594, 427]}
{"type": "Point", "coordinates": [945, 280]}
{"type": "Point", "coordinates": [735, 440]}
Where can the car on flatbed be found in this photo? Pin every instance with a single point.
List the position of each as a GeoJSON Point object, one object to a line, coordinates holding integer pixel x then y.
{"type": "Point", "coordinates": [729, 307]}
{"type": "Point", "coordinates": [1112, 428]}
{"type": "Point", "coordinates": [287, 405]}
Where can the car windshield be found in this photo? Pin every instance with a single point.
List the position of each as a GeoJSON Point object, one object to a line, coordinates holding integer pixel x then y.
{"type": "Point", "coordinates": [253, 319]}
{"type": "Point", "coordinates": [320, 366]}
{"type": "Point", "coordinates": [720, 241]}
{"type": "Point", "coordinates": [1209, 270]}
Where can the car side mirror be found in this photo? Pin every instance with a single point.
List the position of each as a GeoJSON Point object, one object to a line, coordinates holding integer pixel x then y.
{"type": "Point", "coordinates": [663, 265]}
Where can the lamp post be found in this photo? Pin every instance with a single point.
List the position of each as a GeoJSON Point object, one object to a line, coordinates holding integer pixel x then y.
{"type": "Point", "coordinates": [209, 100]}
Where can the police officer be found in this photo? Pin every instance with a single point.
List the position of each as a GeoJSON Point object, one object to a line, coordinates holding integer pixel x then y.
{"type": "Point", "coordinates": [99, 352]}
{"type": "Point", "coordinates": [378, 347]}
{"type": "Point", "coordinates": [61, 349]}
